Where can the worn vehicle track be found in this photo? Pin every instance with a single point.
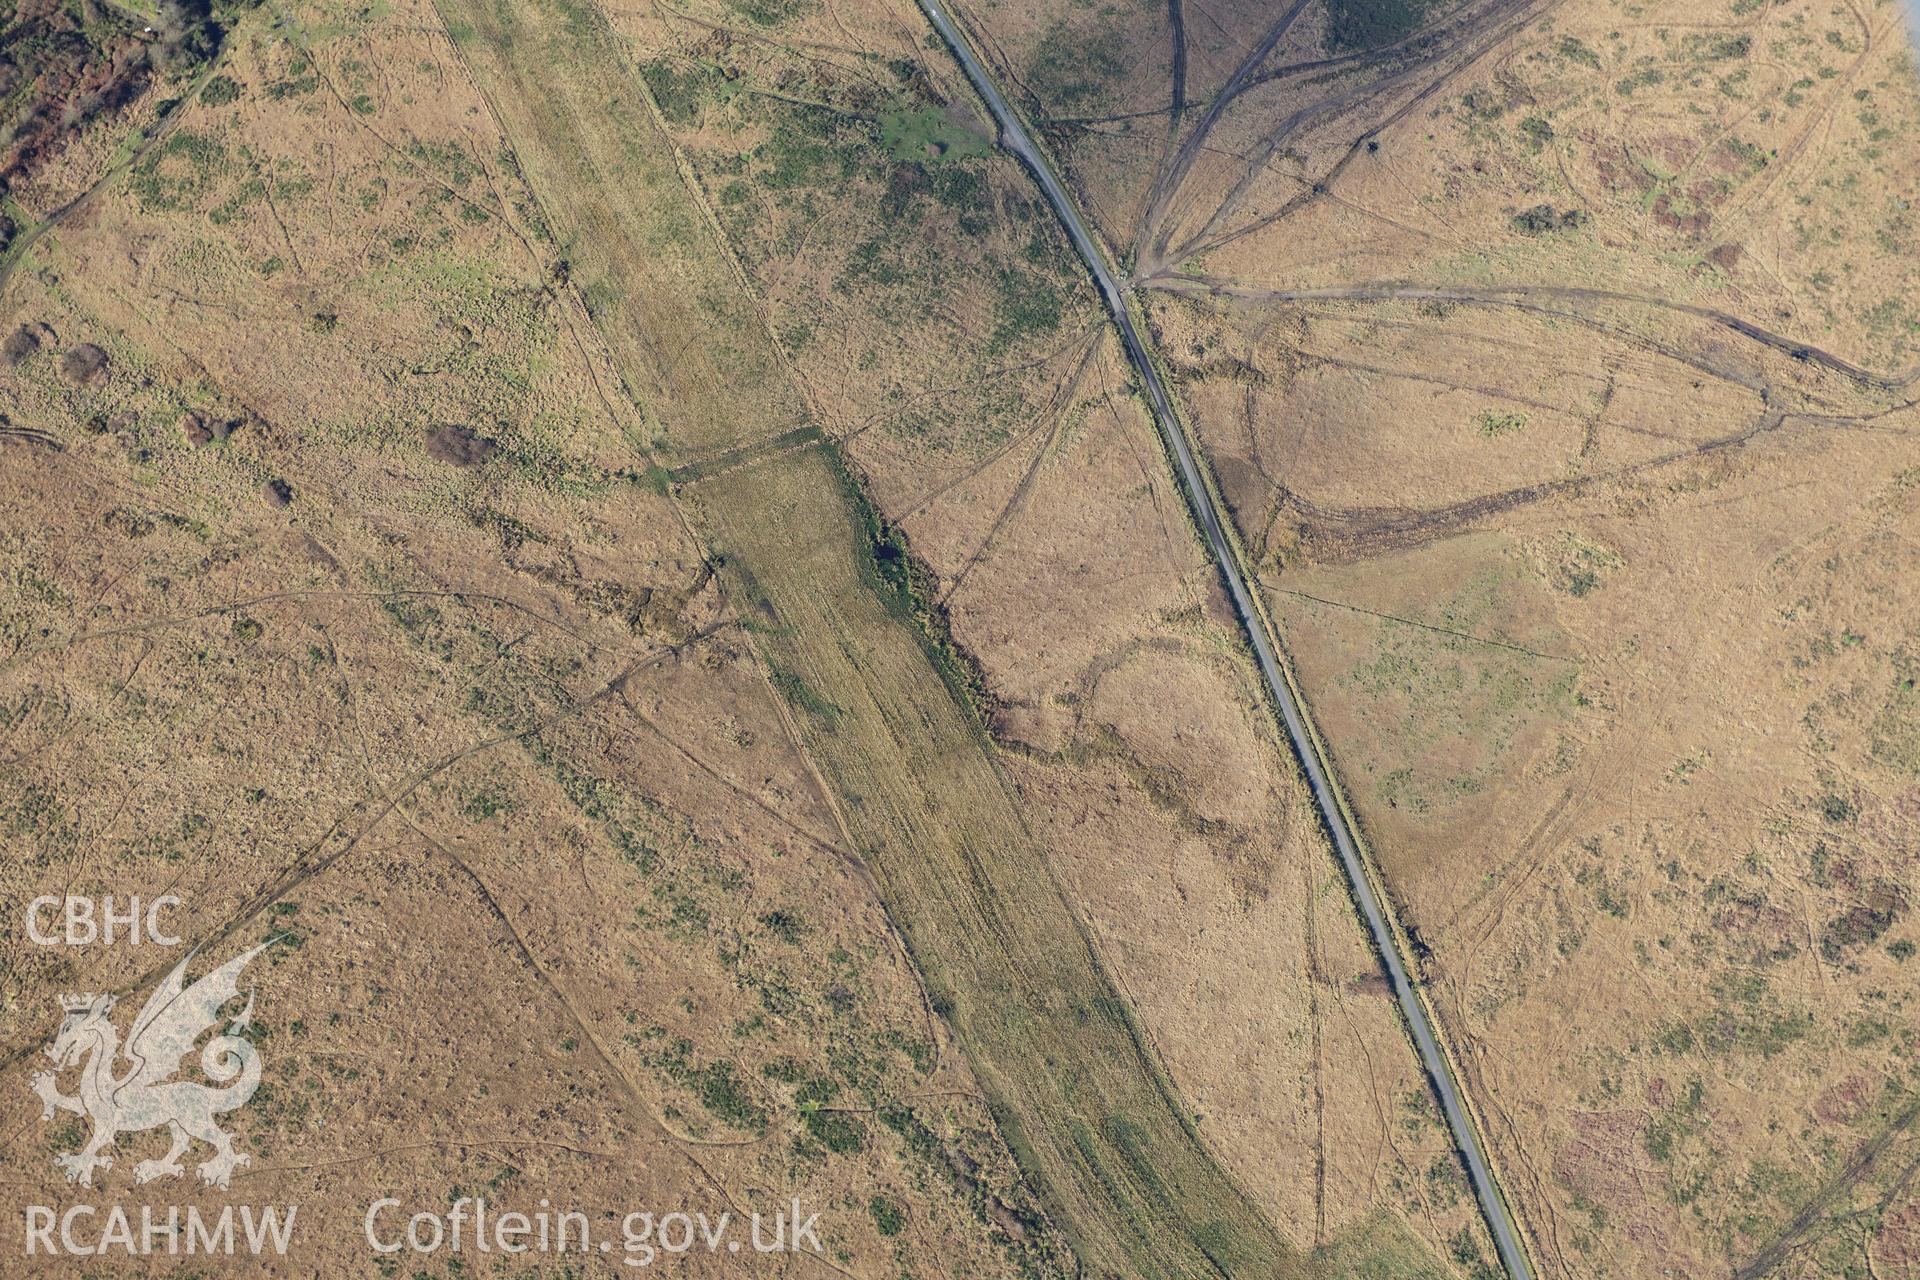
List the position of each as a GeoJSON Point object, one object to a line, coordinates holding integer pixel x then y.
{"type": "Point", "coordinates": [1420, 1023]}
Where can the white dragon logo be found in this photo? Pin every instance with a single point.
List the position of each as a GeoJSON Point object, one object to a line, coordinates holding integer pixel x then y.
{"type": "Point", "coordinates": [143, 1097]}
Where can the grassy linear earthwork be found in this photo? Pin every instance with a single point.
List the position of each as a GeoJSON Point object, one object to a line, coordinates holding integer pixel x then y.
{"type": "Point", "coordinates": [1084, 1106]}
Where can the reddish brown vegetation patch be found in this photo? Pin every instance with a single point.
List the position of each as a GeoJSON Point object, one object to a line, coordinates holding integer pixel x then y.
{"type": "Point", "coordinates": [84, 364]}
{"type": "Point", "coordinates": [1602, 1161]}
{"type": "Point", "coordinates": [460, 445]}
{"type": "Point", "coordinates": [62, 65]}
{"type": "Point", "coordinates": [58, 69]}
{"type": "Point", "coordinates": [1896, 1251]}
{"type": "Point", "coordinates": [1693, 222]}
{"type": "Point", "coordinates": [1844, 1102]}
{"type": "Point", "coordinates": [23, 342]}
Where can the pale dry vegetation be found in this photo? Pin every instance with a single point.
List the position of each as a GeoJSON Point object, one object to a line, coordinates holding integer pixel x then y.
{"type": "Point", "coordinates": [1557, 362]}
{"type": "Point", "coordinates": [432, 393]}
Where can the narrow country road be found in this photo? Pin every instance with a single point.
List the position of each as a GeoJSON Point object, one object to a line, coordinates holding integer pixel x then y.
{"type": "Point", "coordinates": [1016, 139]}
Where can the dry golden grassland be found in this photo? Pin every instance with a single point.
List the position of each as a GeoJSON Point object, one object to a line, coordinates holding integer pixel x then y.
{"type": "Point", "coordinates": [1558, 364]}
{"type": "Point", "coordinates": [466, 723]}
{"type": "Point", "coordinates": [1039, 540]}
{"type": "Point", "coordinates": [908, 770]}
{"type": "Point", "coordinates": [472, 721]}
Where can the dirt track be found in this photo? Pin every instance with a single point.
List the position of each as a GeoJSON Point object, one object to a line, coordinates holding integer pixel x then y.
{"type": "Point", "coordinates": [1433, 1058]}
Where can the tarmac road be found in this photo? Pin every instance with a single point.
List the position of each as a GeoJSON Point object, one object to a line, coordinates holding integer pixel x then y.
{"type": "Point", "coordinates": [1014, 137]}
